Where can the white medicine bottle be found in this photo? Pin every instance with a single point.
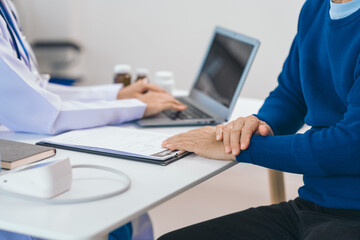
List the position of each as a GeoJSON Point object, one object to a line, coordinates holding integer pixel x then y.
{"type": "Point", "coordinates": [165, 79]}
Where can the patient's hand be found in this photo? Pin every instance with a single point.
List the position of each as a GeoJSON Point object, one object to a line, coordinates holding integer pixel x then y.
{"type": "Point", "coordinates": [137, 89]}
{"type": "Point", "coordinates": [200, 141]}
{"type": "Point", "coordinates": [236, 135]}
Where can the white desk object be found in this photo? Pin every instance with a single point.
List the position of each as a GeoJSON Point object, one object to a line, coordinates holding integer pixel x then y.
{"type": "Point", "coordinates": [151, 185]}
{"type": "Point", "coordinates": [40, 180]}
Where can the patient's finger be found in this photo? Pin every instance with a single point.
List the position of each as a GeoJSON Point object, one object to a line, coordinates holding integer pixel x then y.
{"type": "Point", "coordinates": [248, 130]}
{"type": "Point", "coordinates": [174, 138]}
{"type": "Point", "coordinates": [184, 145]}
{"type": "Point", "coordinates": [226, 137]}
{"type": "Point", "coordinates": [219, 132]}
{"type": "Point", "coordinates": [235, 138]}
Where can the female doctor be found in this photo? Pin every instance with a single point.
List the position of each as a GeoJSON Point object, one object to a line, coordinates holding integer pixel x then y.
{"type": "Point", "coordinates": [28, 103]}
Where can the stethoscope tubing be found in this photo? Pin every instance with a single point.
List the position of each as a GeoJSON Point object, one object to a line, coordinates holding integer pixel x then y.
{"type": "Point", "coordinates": [11, 29]}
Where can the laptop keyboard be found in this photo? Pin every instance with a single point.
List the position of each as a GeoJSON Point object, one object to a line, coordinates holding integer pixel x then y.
{"type": "Point", "coordinates": [191, 112]}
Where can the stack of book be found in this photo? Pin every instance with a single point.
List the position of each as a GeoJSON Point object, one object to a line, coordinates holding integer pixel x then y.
{"type": "Point", "coordinates": [15, 154]}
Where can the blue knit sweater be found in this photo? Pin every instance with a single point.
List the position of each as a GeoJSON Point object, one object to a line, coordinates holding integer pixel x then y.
{"type": "Point", "coordinates": [320, 86]}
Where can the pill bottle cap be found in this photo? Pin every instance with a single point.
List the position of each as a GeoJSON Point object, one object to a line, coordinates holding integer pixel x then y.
{"type": "Point", "coordinates": [122, 68]}
{"type": "Point", "coordinates": [142, 71]}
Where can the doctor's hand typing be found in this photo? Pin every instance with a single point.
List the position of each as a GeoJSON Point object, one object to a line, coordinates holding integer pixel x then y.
{"type": "Point", "coordinates": [156, 98]}
{"type": "Point", "coordinates": [137, 89]}
{"type": "Point", "coordinates": [159, 101]}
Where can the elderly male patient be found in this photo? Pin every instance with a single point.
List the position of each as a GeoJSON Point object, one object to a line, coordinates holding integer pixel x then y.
{"type": "Point", "coordinates": [320, 86]}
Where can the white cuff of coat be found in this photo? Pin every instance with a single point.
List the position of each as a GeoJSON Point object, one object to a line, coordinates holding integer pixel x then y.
{"type": "Point", "coordinates": [78, 115]}
{"type": "Point", "coordinates": [112, 90]}
{"type": "Point", "coordinates": [85, 93]}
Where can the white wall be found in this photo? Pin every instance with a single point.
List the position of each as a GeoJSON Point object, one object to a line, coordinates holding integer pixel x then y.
{"type": "Point", "coordinates": [45, 19]}
{"type": "Point", "coordinates": [165, 34]}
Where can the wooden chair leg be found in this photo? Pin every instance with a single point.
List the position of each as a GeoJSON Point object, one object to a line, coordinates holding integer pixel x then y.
{"type": "Point", "coordinates": [277, 187]}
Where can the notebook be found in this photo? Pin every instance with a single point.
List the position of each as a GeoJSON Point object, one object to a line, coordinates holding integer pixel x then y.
{"type": "Point", "coordinates": [218, 84]}
{"type": "Point", "coordinates": [120, 142]}
{"type": "Point", "coordinates": [16, 154]}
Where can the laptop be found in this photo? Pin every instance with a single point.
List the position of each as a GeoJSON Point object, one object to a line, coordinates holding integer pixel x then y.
{"type": "Point", "coordinates": [217, 85]}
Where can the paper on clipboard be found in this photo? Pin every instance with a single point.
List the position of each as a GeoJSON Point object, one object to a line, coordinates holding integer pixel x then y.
{"type": "Point", "coordinates": [117, 140]}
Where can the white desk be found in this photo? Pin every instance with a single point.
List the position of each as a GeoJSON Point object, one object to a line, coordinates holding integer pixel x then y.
{"type": "Point", "coordinates": [151, 185]}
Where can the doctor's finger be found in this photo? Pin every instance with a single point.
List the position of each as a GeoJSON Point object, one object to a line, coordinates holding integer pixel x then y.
{"type": "Point", "coordinates": [219, 132]}
{"type": "Point", "coordinates": [170, 99]}
{"type": "Point", "coordinates": [172, 105]}
{"type": "Point", "coordinates": [177, 102]}
{"type": "Point", "coordinates": [152, 87]}
{"type": "Point", "coordinates": [164, 97]}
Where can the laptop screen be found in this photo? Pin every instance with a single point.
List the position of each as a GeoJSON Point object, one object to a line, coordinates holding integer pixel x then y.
{"type": "Point", "coordinates": [223, 68]}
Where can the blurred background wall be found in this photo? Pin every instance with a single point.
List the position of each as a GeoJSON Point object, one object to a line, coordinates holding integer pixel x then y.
{"type": "Point", "coordinates": [162, 34]}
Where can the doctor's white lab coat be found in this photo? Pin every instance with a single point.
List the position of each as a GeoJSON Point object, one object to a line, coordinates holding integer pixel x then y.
{"type": "Point", "coordinates": [28, 103]}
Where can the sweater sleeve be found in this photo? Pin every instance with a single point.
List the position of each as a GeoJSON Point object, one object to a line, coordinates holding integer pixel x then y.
{"type": "Point", "coordinates": [285, 109]}
{"type": "Point", "coordinates": [328, 152]}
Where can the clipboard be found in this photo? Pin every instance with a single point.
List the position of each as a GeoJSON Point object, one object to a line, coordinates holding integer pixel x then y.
{"type": "Point", "coordinates": [116, 155]}
{"type": "Point", "coordinates": [119, 142]}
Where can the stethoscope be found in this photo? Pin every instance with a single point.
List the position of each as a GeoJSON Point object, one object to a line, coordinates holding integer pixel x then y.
{"type": "Point", "coordinates": [11, 28]}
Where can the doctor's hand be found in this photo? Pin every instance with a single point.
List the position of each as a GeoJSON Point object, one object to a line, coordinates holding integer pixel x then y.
{"type": "Point", "coordinates": [200, 141]}
{"type": "Point", "coordinates": [137, 89]}
{"type": "Point", "coordinates": [158, 101]}
{"type": "Point", "coordinates": [236, 135]}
